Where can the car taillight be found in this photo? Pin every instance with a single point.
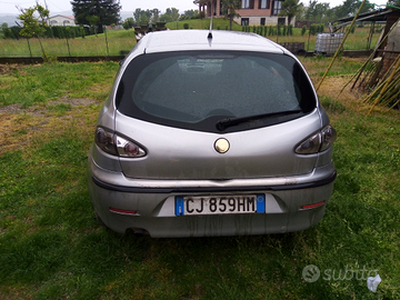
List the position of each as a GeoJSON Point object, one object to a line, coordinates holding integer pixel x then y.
{"type": "Point", "coordinates": [114, 144]}
{"type": "Point", "coordinates": [105, 140]}
{"type": "Point", "coordinates": [128, 149]}
{"type": "Point", "coordinates": [328, 137]}
{"type": "Point", "coordinates": [318, 142]}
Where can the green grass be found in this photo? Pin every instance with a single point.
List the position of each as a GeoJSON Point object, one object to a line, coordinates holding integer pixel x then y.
{"type": "Point", "coordinates": [52, 248]}
{"type": "Point", "coordinates": [38, 84]}
{"type": "Point", "coordinates": [317, 65]}
{"type": "Point", "coordinates": [117, 40]}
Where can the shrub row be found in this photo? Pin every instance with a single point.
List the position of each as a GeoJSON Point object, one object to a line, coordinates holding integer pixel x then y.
{"type": "Point", "coordinates": [60, 32]}
{"type": "Point", "coordinates": [280, 30]}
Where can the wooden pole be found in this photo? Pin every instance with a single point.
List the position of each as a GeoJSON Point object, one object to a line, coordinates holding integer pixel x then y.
{"type": "Point", "coordinates": [383, 90]}
{"type": "Point", "coordinates": [341, 45]}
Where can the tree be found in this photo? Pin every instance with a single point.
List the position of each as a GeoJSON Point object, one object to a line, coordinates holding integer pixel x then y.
{"type": "Point", "coordinates": [229, 8]}
{"type": "Point", "coordinates": [290, 8]}
{"type": "Point", "coordinates": [34, 26]}
{"type": "Point", "coordinates": [106, 10]}
{"type": "Point", "coordinates": [318, 12]}
{"type": "Point", "coordinates": [189, 14]}
{"type": "Point", "coordinates": [128, 23]}
{"type": "Point", "coordinates": [170, 15]}
{"type": "Point", "coordinates": [155, 15]}
{"type": "Point", "coordinates": [143, 17]}
{"type": "Point", "coordinates": [350, 7]}
{"type": "Point", "coordinates": [94, 21]}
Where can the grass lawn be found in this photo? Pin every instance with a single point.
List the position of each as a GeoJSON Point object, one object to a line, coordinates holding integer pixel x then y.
{"type": "Point", "coordinates": [116, 41]}
{"type": "Point", "coordinates": [52, 248]}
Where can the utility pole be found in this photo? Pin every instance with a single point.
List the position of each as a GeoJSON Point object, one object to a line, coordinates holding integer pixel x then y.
{"type": "Point", "coordinates": [45, 5]}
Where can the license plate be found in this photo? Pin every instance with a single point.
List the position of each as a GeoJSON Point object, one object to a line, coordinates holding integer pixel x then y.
{"type": "Point", "coordinates": [210, 205]}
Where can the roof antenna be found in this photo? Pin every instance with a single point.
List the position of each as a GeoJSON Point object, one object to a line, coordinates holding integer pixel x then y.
{"type": "Point", "coordinates": [209, 33]}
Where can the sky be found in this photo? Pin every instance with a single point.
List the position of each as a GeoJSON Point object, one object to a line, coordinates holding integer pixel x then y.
{"type": "Point", "coordinates": [9, 6]}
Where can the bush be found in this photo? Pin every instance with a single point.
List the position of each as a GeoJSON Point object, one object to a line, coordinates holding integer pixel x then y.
{"type": "Point", "coordinates": [186, 26]}
{"type": "Point", "coordinates": [246, 28]}
{"type": "Point", "coordinates": [313, 29]}
{"type": "Point", "coordinates": [128, 23]}
{"type": "Point", "coordinates": [303, 30]}
{"type": "Point", "coordinates": [279, 29]}
{"type": "Point", "coordinates": [290, 30]}
{"type": "Point", "coordinates": [284, 30]}
{"type": "Point", "coordinates": [271, 30]}
{"type": "Point", "coordinates": [59, 32]}
{"type": "Point", "coordinates": [12, 32]}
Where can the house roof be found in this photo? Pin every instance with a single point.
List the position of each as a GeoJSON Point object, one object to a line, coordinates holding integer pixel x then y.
{"type": "Point", "coordinates": [373, 16]}
{"type": "Point", "coordinates": [63, 16]}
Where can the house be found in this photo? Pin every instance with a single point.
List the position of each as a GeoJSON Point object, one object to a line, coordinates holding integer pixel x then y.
{"type": "Point", "coordinates": [252, 12]}
{"type": "Point", "coordinates": [60, 20]}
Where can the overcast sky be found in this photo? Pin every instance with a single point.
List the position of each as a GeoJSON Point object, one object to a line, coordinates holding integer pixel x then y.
{"type": "Point", "coordinates": [9, 6]}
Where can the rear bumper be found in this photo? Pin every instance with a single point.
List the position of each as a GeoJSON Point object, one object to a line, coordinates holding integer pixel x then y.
{"type": "Point", "coordinates": [154, 203]}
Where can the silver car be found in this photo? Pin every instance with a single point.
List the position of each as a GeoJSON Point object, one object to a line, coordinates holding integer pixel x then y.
{"type": "Point", "coordinates": [211, 134]}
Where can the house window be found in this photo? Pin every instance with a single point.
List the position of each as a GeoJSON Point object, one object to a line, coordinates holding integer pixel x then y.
{"type": "Point", "coordinates": [247, 4]}
{"type": "Point", "coordinates": [245, 22]}
{"type": "Point", "coordinates": [264, 4]}
{"type": "Point", "coordinates": [277, 7]}
{"type": "Point", "coordinates": [262, 21]}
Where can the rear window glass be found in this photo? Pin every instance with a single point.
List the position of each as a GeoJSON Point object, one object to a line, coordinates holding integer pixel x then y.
{"type": "Point", "coordinates": [196, 89]}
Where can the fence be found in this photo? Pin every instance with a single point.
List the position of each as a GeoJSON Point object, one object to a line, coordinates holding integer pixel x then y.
{"type": "Point", "coordinates": [69, 43]}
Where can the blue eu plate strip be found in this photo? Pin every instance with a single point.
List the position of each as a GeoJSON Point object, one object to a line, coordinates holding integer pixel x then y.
{"type": "Point", "coordinates": [179, 206]}
{"type": "Point", "coordinates": [261, 203]}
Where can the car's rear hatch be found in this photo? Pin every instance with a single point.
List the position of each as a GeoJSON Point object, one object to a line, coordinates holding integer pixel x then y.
{"type": "Point", "coordinates": [174, 153]}
{"type": "Point", "coordinates": [177, 105]}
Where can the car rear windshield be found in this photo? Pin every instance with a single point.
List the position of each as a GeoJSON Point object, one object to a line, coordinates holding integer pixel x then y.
{"type": "Point", "coordinates": [197, 90]}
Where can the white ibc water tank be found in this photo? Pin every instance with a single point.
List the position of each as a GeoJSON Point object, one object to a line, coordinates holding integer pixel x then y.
{"type": "Point", "coordinates": [328, 43]}
{"type": "Point", "coordinates": [393, 43]}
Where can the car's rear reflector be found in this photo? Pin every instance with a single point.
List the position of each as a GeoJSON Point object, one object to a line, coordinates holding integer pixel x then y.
{"type": "Point", "coordinates": [124, 212]}
{"type": "Point", "coordinates": [309, 206]}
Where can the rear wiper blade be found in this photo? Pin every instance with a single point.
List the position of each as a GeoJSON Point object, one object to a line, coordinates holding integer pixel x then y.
{"type": "Point", "coordinates": [228, 122]}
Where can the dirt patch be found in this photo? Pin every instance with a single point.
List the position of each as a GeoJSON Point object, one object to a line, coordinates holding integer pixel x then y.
{"type": "Point", "coordinates": [9, 69]}
{"type": "Point", "coordinates": [332, 86]}
{"type": "Point", "coordinates": [74, 102]}
{"type": "Point", "coordinates": [20, 125]}
{"type": "Point", "coordinates": [40, 110]}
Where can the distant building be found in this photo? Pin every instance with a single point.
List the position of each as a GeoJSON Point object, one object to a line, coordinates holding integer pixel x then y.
{"type": "Point", "coordinates": [60, 20]}
{"type": "Point", "coordinates": [252, 12]}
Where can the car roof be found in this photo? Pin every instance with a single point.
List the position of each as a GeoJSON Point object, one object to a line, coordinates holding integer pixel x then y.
{"type": "Point", "coordinates": [188, 40]}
